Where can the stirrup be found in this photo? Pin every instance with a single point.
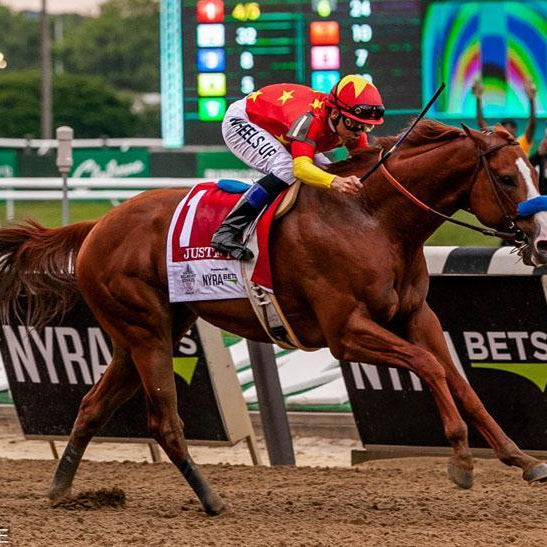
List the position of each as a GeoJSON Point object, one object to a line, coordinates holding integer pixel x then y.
{"type": "Point", "coordinates": [233, 249]}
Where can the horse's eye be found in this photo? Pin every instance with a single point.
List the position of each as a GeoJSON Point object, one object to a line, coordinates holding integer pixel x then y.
{"type": "Point", "coordinates": [508, 180]}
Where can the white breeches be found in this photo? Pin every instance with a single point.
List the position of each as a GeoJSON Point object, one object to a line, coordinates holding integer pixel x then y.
{"type": "Point", "coordinates": [258, 148]}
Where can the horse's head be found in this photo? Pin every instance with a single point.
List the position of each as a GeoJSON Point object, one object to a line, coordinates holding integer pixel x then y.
{"type": "Point", "coordinates": [505, 193]}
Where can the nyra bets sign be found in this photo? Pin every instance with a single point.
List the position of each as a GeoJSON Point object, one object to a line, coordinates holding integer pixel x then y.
{"type": "Point", "coordinates": [496, 331]}
{"type": "Point", "coordinates": [50, 371]}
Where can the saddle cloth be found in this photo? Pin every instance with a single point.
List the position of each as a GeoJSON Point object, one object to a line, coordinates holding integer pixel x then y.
{"type": "Point", "coordinates": [195, 271]}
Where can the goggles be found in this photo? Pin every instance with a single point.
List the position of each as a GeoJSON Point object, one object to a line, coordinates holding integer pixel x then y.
{"type": "Point", "coordinates": [367, 111]}
{"type": "Point", "coordinates": [356, 127]}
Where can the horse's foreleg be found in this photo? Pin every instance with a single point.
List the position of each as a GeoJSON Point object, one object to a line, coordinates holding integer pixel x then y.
{"type": "Point", "coordinates": [363, 340]}
{"type": "Point", "coordinates": [426, 331]}
{"type": "Point", "coordinates": [156, 369]}
{"type": "Point", "coordinates": [116, 386]}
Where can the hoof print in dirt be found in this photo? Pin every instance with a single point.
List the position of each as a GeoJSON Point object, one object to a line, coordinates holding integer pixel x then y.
{"type": "Point", "coordinates": [93, 499]}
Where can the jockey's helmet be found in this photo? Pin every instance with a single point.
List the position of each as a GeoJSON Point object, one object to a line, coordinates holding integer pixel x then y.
{"type": "Point", "coordinates": [357, 98]}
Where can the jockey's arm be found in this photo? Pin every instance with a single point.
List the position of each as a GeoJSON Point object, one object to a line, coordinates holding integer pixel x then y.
{"type": "Point", "coordinates": [304, 168]}
{"type": "Point", "coordinates": [303, 150]}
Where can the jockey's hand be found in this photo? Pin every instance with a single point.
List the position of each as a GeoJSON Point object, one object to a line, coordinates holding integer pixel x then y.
{"type": "Point", "coordinates": [347, 185]}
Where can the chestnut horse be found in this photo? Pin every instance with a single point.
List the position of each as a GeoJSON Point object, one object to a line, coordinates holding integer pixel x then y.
{"type": "Point", "coordinates": [349, 273]}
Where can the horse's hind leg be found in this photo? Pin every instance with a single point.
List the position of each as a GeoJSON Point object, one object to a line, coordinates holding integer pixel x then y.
{"type": "Point", "coordinates": [116, 386]}
{"type": "Point", "coordinates": [155, 365]}
{"type": "Point", "coordinates": [149, 336]}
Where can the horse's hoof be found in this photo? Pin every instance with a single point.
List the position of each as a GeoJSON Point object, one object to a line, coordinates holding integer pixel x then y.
{"type": "Point", "coordinates": [460, 476]}
{"type": "Point", "coordinates": [538, 473]}
{"type": "Point", "coordinates": [55, 501]}
{"type": "Point", "coordinates": [57, 496]}
{"type": "Point", "coordinates": [214, 505]}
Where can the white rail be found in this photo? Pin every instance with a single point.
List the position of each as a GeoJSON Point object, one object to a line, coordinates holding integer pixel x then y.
{"type": "Point", "coordinates": [110, 189]}
{"type": "Point", "coordinates": [82, 143]}
{"type": "Point", "coordinates": [121, 183]}
{"type": "Point", "coordinates": [52, 195]}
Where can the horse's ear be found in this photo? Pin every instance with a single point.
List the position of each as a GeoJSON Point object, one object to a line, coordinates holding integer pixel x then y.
{"type": "Point", "coordinates": [467, 130]}
{"type": "Point", "coordinates": [475, 136]}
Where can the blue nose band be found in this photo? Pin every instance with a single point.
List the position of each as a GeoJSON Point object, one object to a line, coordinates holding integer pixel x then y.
{"type": "Point", "coordinates": [532, 206]}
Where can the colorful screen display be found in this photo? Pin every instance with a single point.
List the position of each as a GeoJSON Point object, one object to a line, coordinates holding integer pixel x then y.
{"type": "Point", "coordinates": [217, 51]}
{"type": "Point", "coordinates": [504, 43]}
{"type": "Point", "coordinates": [232, 48]}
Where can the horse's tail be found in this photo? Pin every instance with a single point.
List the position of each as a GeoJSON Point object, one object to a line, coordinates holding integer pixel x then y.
{"type": "Point", "coordinates": [37, 281]}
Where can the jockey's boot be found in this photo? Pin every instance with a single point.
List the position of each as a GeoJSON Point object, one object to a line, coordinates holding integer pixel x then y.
{"type": "Point", "coordinates": [227, 238]}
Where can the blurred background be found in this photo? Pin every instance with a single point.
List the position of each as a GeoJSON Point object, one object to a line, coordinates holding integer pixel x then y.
{"type": "Point", "coordinates": [104, 63]}
{"type": "Point", "coordinates": [165, 71]}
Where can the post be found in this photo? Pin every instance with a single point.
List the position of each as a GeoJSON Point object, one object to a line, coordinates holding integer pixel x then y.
{"type": "Point", "coordinates": [45, 49]}
{"type": "Point", "coordinates": [58, 31]}
{"type": "Point", "coordinates": [271, 404]}
{"type": "Point", "coordinates": [10, 209]}
{"type": "Point", "coordinates": [64, 164]}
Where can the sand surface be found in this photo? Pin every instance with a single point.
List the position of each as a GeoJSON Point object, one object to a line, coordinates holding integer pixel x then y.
{"type": "Point", "coordinates": [396, 502]}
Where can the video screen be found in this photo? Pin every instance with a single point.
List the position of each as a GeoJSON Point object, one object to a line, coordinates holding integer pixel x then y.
{"type": "Point", "coordinates": [229, 48]}
{"type": "Point", "coordinates": [504, 43]}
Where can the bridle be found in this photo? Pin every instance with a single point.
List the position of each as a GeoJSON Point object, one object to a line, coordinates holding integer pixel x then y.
{"type": "Point", "coordinates": [514, 234]}
{"type": "Point", "coordinates": [499, 193]}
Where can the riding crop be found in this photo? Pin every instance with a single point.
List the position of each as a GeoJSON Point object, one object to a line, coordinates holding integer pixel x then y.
{"type": "Point", "coordinates": [405, 134]}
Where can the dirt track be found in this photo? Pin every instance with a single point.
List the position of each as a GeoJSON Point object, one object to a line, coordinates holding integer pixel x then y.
{"type": "Point", "coordinates": [390, 502]}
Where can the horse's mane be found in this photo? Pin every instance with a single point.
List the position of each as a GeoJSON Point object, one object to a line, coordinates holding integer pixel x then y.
{"type": "Point", "coordinates": [426, 132]}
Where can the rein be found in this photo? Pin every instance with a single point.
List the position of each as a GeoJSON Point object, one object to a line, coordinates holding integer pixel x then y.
{"type": "Point", "coordinates": [512, 235]}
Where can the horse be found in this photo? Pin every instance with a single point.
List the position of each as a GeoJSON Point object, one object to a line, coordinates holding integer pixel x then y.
{"type": "Point", "coordinates": [349, 273]}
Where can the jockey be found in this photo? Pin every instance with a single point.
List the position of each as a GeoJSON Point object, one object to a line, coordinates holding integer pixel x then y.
{"type": "Point", "coordinates": [281, 130]}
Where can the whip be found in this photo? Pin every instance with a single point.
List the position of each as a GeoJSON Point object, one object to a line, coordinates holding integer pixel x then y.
{"type": "Point", "coordinates": [384, 158]}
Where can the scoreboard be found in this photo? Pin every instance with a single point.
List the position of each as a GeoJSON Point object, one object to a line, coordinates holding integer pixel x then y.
{"type": "Point", "coordinates": [231, 48]}
{"type": "Point", "coordinates": [217, 51]}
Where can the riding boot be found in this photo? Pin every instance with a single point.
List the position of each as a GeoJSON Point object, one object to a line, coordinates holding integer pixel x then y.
{"type": "Point", "coordinates": [227, 238]}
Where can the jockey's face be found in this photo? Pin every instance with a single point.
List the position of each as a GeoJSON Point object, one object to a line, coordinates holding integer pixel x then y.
{"type": "Point", "coordinates": [348, 129]}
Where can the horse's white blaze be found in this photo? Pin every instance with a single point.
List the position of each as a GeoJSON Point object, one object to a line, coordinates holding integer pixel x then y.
{"type": "Point", "coordinates": [527, 176]}
{"type": "Point", "coordinates": [540, 219]}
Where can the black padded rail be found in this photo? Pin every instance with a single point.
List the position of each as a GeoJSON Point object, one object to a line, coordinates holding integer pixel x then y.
{"type": "Point", "coordinates": [469, 260]}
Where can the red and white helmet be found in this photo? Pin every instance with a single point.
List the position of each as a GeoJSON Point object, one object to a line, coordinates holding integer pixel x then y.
{"type": "Point", "coordinates": [357, 98]}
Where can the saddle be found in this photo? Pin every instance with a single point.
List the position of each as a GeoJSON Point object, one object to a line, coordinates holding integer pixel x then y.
{"type": "Point", "coordinates": [288, 200]}
{"type": "Point", "coordinates": [233, 186]}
